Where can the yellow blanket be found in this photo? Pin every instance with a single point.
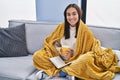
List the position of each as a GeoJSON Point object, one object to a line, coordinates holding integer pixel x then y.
{"type": "Point", "coordinates": [89, 61]}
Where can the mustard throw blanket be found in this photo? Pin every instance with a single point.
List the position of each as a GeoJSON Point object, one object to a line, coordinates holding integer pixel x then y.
{"type": "Point", "coordinates": [89, 62]}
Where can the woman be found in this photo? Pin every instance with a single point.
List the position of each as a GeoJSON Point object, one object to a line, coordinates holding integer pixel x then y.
{"type": "Point", "coordinates": [89, 60]}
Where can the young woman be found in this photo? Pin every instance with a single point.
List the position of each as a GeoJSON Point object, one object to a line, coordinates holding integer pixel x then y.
{"type": "Point", "coordinates": [89, 60]}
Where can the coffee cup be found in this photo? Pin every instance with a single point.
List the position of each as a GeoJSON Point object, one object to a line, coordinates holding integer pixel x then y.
{"type": "Point", "coordinates": [64, 49]}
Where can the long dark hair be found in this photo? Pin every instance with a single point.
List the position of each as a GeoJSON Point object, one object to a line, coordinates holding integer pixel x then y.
{"type": "Point", "coordinates": [67, 25]}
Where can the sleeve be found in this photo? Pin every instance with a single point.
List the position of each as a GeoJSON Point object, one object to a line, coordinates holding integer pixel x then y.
{"type": "Point", "coordinates": [58, 46]}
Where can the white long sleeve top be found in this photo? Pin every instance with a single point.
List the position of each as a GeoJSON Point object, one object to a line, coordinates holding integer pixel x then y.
{"type": "Point", "coordinates": [71, 42]}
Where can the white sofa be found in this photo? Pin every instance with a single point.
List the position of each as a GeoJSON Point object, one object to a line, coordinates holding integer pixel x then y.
{"type": "Point", "coordinates": [21, 67]}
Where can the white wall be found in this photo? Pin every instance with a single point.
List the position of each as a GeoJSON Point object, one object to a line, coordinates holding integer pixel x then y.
{"type": "Point", "coordinates": [103, 13]}
{"type": "Point", "coordinates": [16, 9]}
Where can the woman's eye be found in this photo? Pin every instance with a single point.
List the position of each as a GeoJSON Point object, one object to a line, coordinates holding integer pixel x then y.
{"type": "Point", "coordinates": [68, 14]}
{"type": "Point", "coordinates": [74, 13]}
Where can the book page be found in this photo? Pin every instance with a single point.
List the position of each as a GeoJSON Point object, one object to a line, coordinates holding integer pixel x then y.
{"type": "Point", "coordinates": [58, 62]}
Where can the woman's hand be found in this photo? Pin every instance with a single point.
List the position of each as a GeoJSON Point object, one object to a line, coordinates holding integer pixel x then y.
{"type": "Point", "coordinates": [66, 54]}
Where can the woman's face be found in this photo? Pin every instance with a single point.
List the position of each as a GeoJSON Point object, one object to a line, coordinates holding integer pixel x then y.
{"type": "Point", "coordinates": [72, 16]}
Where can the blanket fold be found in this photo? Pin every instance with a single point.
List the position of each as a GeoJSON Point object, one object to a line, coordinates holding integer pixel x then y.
{"type": "Point", "coordinates": [89, 62]}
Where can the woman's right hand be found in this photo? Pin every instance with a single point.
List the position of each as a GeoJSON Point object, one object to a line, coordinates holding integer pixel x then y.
{"type": "Point", "coordinates": [66, 54]}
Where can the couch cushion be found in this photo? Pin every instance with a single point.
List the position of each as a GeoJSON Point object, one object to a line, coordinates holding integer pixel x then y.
{"type": "Point", "coordinates": [12, 41]}
{"type": "Point", "coordinates": [13, 23]}
{"type": "Point", "coordinates": [117, 77]}
{"type": "Point", "coordinates": [36, 33]}
{"type": "Point", "coordinates": [109, 37]}
{"type": "Point", "coordinates": [16, 68]}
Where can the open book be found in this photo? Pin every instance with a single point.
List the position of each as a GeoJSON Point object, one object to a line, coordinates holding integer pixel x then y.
{"type": "Point", "coordinates": [58, 62]}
